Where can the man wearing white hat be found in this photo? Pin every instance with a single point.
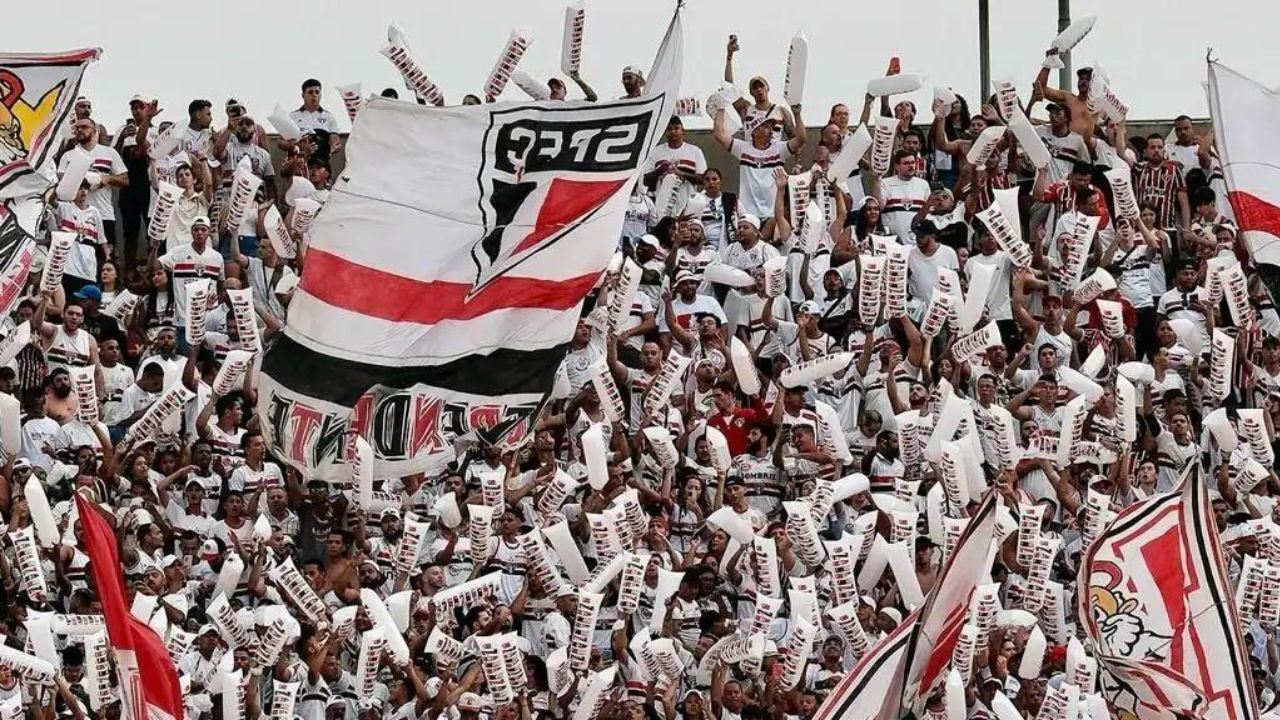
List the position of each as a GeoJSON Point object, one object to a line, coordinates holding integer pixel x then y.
{"type": "Point", "coordinates": [758, 156]}
{"type": "Point", "coordinates": [684, 305]}
{"type": "Point", "coordinates": [632, 82]}
{"type": "Point", "coordinates": [188, 263]}
{"type": "Point", "coordinates": [750, 251]}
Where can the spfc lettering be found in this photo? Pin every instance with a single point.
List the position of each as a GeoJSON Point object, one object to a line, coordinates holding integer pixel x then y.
{"type": "Point", "coordinates": [532, 145]}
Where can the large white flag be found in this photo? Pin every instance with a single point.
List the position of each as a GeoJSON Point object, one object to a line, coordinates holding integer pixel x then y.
{"type": "Point", "coordinates": [446, 272]}
{"type": "Point", "coordinates": [1153, 588]}
{"type": "Point", "coordinates": [1244, 113]}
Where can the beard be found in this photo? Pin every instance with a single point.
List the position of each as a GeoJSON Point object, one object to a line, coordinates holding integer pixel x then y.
{"type": "Point", "coordinates": [62, 392]}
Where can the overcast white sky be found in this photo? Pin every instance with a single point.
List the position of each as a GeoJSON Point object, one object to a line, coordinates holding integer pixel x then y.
{"type": "Point", "coordinates": [259, 52]}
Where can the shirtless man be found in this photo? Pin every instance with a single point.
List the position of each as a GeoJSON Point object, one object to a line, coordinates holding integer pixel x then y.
{"type": "Point", "coordinates": [340, 575]}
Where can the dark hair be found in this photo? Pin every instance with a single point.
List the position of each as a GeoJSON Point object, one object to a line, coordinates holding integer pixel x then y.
{"type": "Point", "coordinates": [1180, 118]}
{"type": "Point", "coordinates": [152, 369]}
{"type": "Point", "coordinates": [310, 83]}
{"type": "Point", "coordinates": [724, 386]}
{"type": "Point", "coordinates": [1081, 167]}
{"type": "Point", "coordinates": [979, 227]}
{"type": "Point", "coordinates": [248, 436]}
{"type": "Point", "coordinates": [196, 106]}
{"type": "Point", "coordinates": [714, 170]}
{"type": "Point", "coordinates": [1145, 205]}
{"type": "Point", "coordinates": [1204, 195]}
{"type": "Point", "coordinates": [897, 156]}
{"type": "Point", "coordinates": [153, 296]}
{"type": "Point", "coordinates": [390, 93]}
{"type": "Point", "coordinates": [73, 655]}
{"type": "Point", "coordinates": [226, 402]}
{"type": "Point", "coordinates": [955, 131]}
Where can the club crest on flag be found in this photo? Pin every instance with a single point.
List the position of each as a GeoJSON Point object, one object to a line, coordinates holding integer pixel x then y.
{"type": "Point", "coordinates": [1120, 616]}
{"type": "Point", "coordinates": [544, 173]}
{"type": "Point", "coordinates": [36, 97]}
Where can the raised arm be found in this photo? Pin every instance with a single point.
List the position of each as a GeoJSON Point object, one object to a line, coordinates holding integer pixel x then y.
{"type": "Point", "coordinates": [587, 92]}
{"type": "Point", "coordinates": [720, 131]}
{"type": "Point", "coordinates": [797, 141]}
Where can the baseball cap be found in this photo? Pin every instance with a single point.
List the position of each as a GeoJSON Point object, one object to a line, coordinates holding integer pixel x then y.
{"type": "Point", "coordinates": [749, 219]}
{"type": "Point", "coordinates": [696, 205]}
{"type": "Point", "coordinates": [89, 292]}
{"type": "Point", "coordinates": [758, 80]}
{"type": "Point", "coordinates": [565, 590]}
{"type": "Point", "coordinates": [200, 220]}
{"type": "Point", "coordinates": [209, 549]}
{"type": "Point", "coordinates": [649, 239]}
{"type": "Point", "coordinates": [809, 307]}
{"type": "Point", "coordinates": [632, 70]}
{"type": "Point", "coordinates": [389, 513]}
{"type": "Point", "coordinates": [893, 614]}
{"type": "Point", "coordinates": [684, 275]}
{"type": "Point", "coordinates": [470, 702]}
{"type": "Point", "coordinates": [140, 98]}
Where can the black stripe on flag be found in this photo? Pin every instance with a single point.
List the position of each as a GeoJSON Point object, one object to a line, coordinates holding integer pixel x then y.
{"type": "Point", "coordinates": [342, 382]}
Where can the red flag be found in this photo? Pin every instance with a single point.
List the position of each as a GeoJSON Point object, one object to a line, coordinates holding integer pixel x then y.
{"type": "Point", "coordinates": [148, 681]}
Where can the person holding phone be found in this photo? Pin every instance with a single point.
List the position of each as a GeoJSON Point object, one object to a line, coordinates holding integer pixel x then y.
{"type": "Point", "coordinates": [759, 108]}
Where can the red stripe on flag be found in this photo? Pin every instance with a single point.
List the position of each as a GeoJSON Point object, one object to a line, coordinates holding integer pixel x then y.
{"type": "Point", "coordinates": [1254, 213]}
{"type": "Point", "coordinates": [567, 200]}
{"type": "Point", "coordinates": [159, 679]}
{"type": "Point", "coordinates": [368, 291]}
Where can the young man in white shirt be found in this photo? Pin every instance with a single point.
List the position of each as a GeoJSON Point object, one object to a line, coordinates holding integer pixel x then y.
{"type": "Point", "coordinates": [106, 171]}
{"type": "Point", "coordinates": [85, 221]}
{"type": "Point", "coordinates": [901, 195]}
{"type": "Point", "coordinates": [684, 305]}
{"type": "Point", "coordinates": [926, 258]}
{"type": "Point", "coordinates": [188, 263]}
{"type": "Point", "coordinates": [1066, 148]}
{"type": "Point", "coordinates": [750, 251]}
{"type": "Point", "coordinates": [311, 117]}
{"type": "Point", "coordinates": [757, 159]}
{"type": "Point", "coordinates": [675, 156]}
{"type": "Point", "coordinates": [999, 305]}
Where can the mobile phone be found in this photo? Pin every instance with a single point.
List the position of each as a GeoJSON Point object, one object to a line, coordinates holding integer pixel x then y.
{"type": "Point", "coordinates": [895, 65]}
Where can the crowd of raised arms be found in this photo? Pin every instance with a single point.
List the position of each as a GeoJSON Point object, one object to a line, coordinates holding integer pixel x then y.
{"type": "Point", "coordinates": [776, 383]}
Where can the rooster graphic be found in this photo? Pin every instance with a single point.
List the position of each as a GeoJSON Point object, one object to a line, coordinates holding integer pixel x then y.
{"type": "Point", "coordinates": [1122, 624]}
{"type": "Point", "coordinates": [11, 146]}
{"type": "Point", "coordinates": [21, 122]}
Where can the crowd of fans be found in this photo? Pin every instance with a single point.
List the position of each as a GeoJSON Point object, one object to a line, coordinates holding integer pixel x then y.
{"type": "Point", "coordinates": [738, 465]}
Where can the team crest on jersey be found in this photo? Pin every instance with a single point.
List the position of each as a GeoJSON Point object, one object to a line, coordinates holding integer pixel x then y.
{"type": "Point", "coordinates": [545, 172]}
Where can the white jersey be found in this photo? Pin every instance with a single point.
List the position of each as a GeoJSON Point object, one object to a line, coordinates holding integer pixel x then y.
{"type": "Point", "coordinates": [68, 350]}
{"type": "Point", "coordinates": [747, 260]}
{"type": "Point", "coordinates": [903, 199]}
{"type": "Point", "coordinates": [761, 482]}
